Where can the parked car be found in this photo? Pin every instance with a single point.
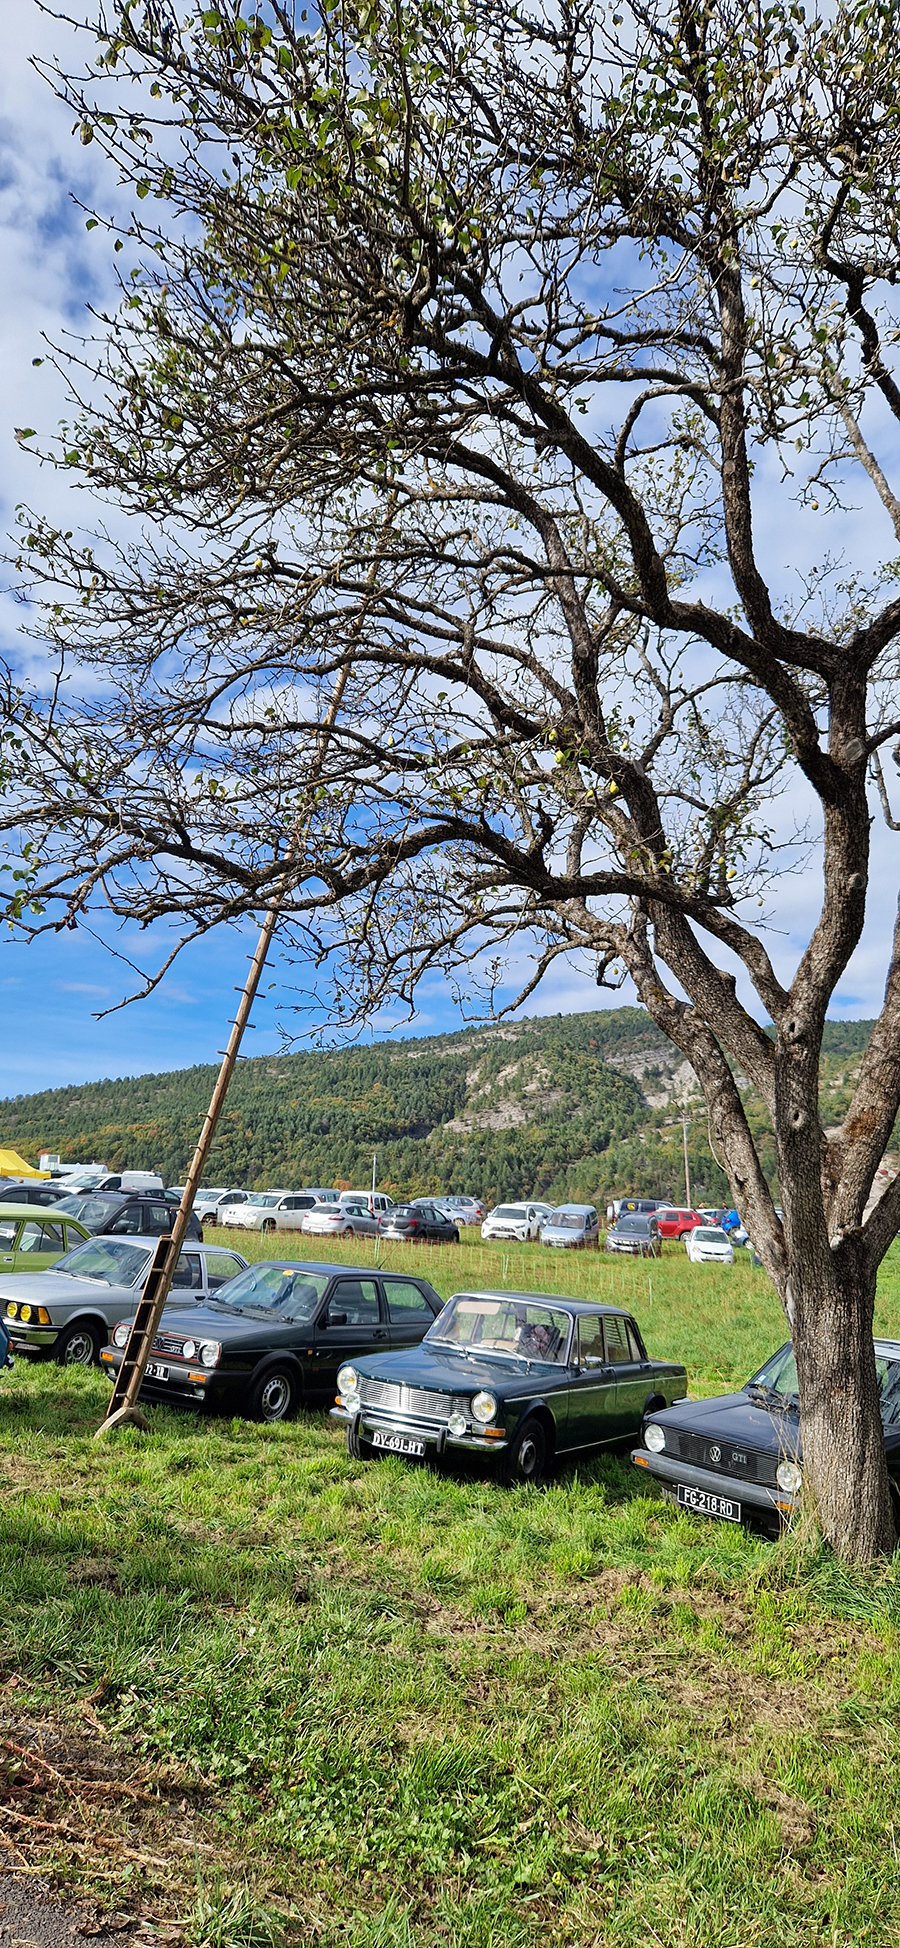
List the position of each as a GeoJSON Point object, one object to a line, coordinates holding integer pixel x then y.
{"type": "Point", "coordinates": [259, 1210]}
{"type": "Point", "coordinates": [631, 1205]}
{"type": "Point", "coordinates": [572, 1225]}
{"type": "Point", "coordinates": [464, 1210]}
{"type": "Point", "coordinates": [339, 1221]}
{"type": "Point", "coordinates": [637, 1237]}
{"type": "Point", "coordinates": [420, 1223]}
{"type": "Point", "coordinates": [377, 1200]}
{"type": "Point", "coordinates": [737, 1456]}
{"type": "Point", "coordinates": [274, 1338]}
{"type": "Point", "coordinates": [24, 1190]}
{"type": "Point", "coordinates": [518, 1378]}
{"type": "Point", "coordinates": [514, 1221]}
{"type": "Point", "coordinates": [708, 1244]}
{"type": "Point", "coordinates": [149, 1180]}
{"type": "Point", "coordinates": [31, 1240]}
{"type": "Point", "coordinates": [68, 1311]}
{"type": "Point", "coordinates": [209, 1203]}
{"type": "Point", "coordinates": [120, 1214]}
{"type": "Point", "coordinates": [676, 1223]}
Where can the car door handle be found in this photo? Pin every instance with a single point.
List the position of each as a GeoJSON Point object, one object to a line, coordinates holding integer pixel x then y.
{"type": "Point", "coordinates": [381, 1333]}
{"type": "Point", "coordinates": [8, 1260]}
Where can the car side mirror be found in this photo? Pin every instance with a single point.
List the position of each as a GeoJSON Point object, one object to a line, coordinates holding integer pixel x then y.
{"type": "Point", "coordinates": [337, 1319]}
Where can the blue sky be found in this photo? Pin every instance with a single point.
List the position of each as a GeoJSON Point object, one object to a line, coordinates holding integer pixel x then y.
{"type": "Point", "coordinates": [52, 990]}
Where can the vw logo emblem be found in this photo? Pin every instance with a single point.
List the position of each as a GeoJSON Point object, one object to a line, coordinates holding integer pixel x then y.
{"type": "Point", "coordinates": [715, 1454]}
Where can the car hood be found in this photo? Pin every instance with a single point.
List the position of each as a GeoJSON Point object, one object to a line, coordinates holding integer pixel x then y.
{"type": "Point", "coordinates": [447, 1372]}
{"type": "Point", "coordinates": [736, 1418]}
{"type": "Point", "coordinates": [57, 1288]}
{"type": "Point", "coordinates": [211, 1321]}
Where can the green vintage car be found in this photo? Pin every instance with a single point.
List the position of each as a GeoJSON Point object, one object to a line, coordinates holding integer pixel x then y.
{"type": "Point", "coordinates": [33, 1238]}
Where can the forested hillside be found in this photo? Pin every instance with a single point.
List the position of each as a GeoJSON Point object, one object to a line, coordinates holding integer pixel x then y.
{"type": "Point", "coordinates": [581, 1106]}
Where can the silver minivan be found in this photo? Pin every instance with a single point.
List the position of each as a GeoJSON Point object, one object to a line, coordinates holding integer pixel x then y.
{"type": "Point", "coordinates": [571, 1225]}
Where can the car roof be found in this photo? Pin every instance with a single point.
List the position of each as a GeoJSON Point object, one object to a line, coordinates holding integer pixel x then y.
{"type": "Point", "coordinates": [549, 1298]}
{"type": "Point", "coordinates": [334, 1271]}
{"type": "Point", "coordinates": [581, 1210]}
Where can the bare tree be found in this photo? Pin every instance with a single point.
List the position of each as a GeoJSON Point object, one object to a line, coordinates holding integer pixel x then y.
{"type": "Point", "coordinates": [456, 345]}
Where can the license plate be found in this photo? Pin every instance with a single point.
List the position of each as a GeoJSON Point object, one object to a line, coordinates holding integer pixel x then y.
{"type": "Point", "coordinates": [703, 1503]}
{"type": "Point", "coordinates": [398, 1443]}
{"type": "Point", "coordinates": [154, 1372]}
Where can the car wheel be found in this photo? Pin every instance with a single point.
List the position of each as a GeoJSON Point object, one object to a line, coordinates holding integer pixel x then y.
{"type": "Point", "coordinates": [79, 1345]}
{"type": "Point", "coordinates": [455, 1238]}
{"type": "Point", "coordinates": [268, 1224]}
{"type": "Point", "coordinates": [347, 1231]}
{"type": "Point", "coordinates": [526, 1460]}
{"type": "Point", "coordinates": [274, 1395]}
{"type": "Point", "coordinates": [358, 1449]}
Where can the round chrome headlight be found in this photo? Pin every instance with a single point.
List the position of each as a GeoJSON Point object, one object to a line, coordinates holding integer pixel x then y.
{"type": "Point", "coordinates": [484, 1407]}
{"type": "Point", "coordinates": [120, 1336]}
{"type": "Point", "coordinates": [654, 1438]}
{"type": "Point", "coordinates": [209, 1352]}
{"type": "Point", "coordinates": [457, 1424]}
{"type": "Point", "coordinates": [348, 1379]}
{"type": "Point", "coordinates": [789, 1477]}
{"type": "Point", "coordinates": [189, 1349]}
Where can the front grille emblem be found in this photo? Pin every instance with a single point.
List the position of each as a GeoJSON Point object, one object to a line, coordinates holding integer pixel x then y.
{"type": "Point", "coordinates": [715, 1453]}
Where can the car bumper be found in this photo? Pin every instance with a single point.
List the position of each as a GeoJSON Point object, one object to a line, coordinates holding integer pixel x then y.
{"type": "Point", "coordinates": [750, 1494]}
{"type": "Point", "coordinates": [182, 1383]}
{"type": "Point", "coordinates": [32, 1340]}
{"type": "Point", "coordinates": [644, 1249]}
{"type": "Point", "coordinates": [366, 1421]}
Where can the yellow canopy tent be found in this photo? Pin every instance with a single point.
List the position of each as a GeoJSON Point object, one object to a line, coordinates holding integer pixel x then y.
{"type": "Point", "coordinates": [12, 1165]}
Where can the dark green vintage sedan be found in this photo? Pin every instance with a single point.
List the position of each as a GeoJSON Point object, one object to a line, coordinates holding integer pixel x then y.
{"type": "Point", "coordinates": [519, 1377]}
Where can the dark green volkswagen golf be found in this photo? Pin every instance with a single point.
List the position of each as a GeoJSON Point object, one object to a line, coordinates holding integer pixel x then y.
{"type": "Point", "coordinates": [519, 1377]}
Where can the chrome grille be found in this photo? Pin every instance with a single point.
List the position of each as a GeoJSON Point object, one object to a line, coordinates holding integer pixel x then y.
{"type": "Point", "coordinates": [405, 1400]}
{"type": "Point", "coordinates": [745, 1464]}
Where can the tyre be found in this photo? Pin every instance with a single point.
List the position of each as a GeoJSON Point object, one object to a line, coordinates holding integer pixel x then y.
{"type": "Point", "coordinates": [358, 1449]}
{"type": "Point", "coordinates": [455, 1238]}
{"type": "Point", "coordinates": [347, 1231]}
{"type": "Point", "coordinates": [268, 1224]}
{"type": "Point", "coordinates": [526, 1460]}
{"type": "Point", "coordinates": [78, 1345]}
{"type": "Point", "coordinates": [273, 1396]}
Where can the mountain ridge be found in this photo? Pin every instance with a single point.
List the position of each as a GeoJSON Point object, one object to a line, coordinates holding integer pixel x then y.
{"type": "Point", "coordinates": [569, 1106]}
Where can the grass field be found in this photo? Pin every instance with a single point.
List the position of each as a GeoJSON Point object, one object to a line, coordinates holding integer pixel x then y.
{"type": "Point", "coordinates": [254, 1691]}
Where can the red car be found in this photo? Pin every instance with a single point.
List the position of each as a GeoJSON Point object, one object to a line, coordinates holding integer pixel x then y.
{"type": "Point", "coordinates": [676, 1224]}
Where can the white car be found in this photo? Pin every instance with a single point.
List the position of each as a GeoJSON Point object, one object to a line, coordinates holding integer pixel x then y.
{"type": "Point", "coordinates": [208, 1204]}
{"type": "Point", "coordinates": [340, 1221]}
{"type": "Point", "coordinates": [708, 1244]}
{"type": "Point", "coordinates": [521, 1222]}
{"type": "Point", "coordinates": [272, 1210]}
{"type": "Point", "coordinates": [377, 1201]}
{"type": "Point", "coordinates": [68, 1313]}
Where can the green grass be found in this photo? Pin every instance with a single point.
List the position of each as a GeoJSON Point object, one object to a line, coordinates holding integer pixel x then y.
{"type": "Point", "coordinates": [288, 1695]}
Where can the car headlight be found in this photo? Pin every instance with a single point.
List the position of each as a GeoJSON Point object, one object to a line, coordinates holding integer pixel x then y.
{"type": "Point", "coordinates": [210, 1350]}
{"type": "Point", "coordinates": [120, 1336]}
{"type": "Point", "coordinates": [457, 1424]}
{"type": "Point", "coordinates": [789, 1477]}
{"type": "Point", "coordinates": [348, 1379]}
{"type": "Point", "coordinates": [25, 1313]}
{"type": "Point", "coordinates": [189, 1349]}
{"type": "Point", "coordinates": [12, 1310]}
{"type": "Point", "coordinates": [654, 1438]}
{"type": "Point", "coordinates": [484, 1407]}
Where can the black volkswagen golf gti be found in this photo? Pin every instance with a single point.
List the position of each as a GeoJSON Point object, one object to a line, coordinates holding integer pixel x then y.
{"type": "Point", "coordinates": [273, 1338]}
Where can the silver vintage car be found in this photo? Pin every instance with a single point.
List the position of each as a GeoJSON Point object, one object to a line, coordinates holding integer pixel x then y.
{"type": "Point", "coordinates": [68, 1312]}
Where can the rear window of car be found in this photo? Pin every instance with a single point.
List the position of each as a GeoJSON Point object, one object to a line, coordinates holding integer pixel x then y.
{"type": "Point", "coordinates": [40, 1235]}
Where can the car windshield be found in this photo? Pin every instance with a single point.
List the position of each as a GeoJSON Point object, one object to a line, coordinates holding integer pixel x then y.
{"type": "Point", "coordinates": [633, 1225]}
{"type": "Point", "coordinates": [778, 1380]}
{"type": "Point", "coordinates": [566, 1220]}
{"type": "Point", "coordinates": [710, 1234]}
{"type": "Point", "coordinates": [509, 1211]}
{"type": "Point", "coordinates": [286, 1289]}
{"type": "Point", "coordinates": [513, 1328]}
{"type": "Point", "coordinates": [265, 1198]}
{"type": "Point", "coordinates": [113, 1261]}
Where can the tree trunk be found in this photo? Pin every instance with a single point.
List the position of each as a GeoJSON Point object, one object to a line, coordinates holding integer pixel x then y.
{"type": "Point", "coordinates": [844, 1463]}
